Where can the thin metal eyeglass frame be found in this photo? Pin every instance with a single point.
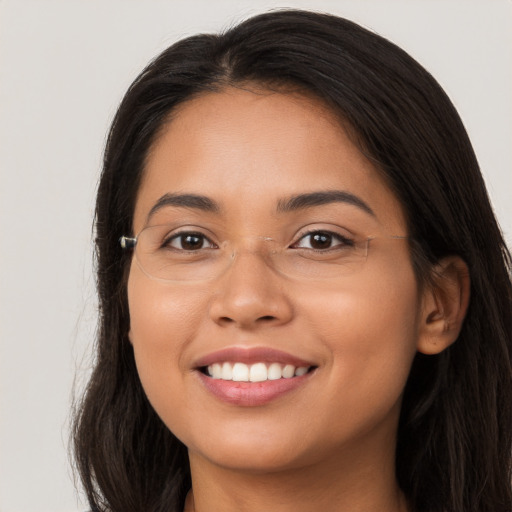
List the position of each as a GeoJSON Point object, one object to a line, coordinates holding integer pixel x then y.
{"type": "Point", "coordinates": [131, 243]}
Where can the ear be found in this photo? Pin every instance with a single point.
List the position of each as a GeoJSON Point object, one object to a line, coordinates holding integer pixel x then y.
{"type": "Point", "coordinates": [445, 302]}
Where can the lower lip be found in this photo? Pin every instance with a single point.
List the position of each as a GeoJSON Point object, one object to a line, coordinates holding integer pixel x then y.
{"type": "Point", "coordinates": [251, 394]}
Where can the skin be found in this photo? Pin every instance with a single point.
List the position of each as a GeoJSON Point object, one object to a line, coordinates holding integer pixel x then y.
{"type": "Point", "coordinates": [329, 444]}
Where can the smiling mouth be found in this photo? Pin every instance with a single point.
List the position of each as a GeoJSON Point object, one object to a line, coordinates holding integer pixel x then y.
{"type": "Point", "coordinates": [257, 372]}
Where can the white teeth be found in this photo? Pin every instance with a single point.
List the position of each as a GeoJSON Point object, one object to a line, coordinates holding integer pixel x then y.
{"type": "Point", "coordinates": [240, 372]}
{"type": "Point", "coordinates": [274, 371]}
{"type": "Point", "coordinates": [215, 371]}
{"type": "Point", "coordinates": [227, 372]}
{"type": "Point", "coordinates": [258, 372]}
{"type": "Point", "coordinates": [302, 370]}
{"type": "Point", "coordinates": [288, 371]}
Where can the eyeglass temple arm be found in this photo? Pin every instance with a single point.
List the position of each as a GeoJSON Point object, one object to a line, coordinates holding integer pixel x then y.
{"type": "Point", "coordinates": [127, 242]}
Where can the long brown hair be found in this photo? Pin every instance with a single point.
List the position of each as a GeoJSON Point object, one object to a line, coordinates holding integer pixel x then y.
{"type": "Point", "coordinates": [454, 439]}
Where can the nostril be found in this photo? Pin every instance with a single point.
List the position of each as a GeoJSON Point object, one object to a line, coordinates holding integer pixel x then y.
{"type": "Point", "coordinates": [267, 318]}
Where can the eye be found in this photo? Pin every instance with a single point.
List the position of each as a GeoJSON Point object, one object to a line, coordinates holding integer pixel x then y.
{"type": "Point", "coordinates": [187, 241]}
{"type": "Point", "coordinates": [322, 240]}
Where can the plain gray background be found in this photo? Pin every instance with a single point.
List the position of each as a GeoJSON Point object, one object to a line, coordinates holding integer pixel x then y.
{"type": "Point", "coordinates": [64, 66]}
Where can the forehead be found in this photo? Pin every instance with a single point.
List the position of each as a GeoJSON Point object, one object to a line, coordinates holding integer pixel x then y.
{"type": "Point", "coordinates": [248, 149]}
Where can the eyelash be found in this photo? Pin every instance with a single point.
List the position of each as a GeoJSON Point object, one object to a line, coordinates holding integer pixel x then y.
{"type": "Point", "coordinates": [167, 242]}
{"type": "Point", "coordinates": [343, 240]}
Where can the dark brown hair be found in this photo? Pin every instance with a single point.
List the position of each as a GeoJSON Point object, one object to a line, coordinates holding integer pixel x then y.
{"type": "Point", "coordinates": [454, 439]}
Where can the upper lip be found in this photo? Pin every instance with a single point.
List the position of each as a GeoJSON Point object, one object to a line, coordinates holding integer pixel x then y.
{"type": "Point", "coordinates": [251, 355]}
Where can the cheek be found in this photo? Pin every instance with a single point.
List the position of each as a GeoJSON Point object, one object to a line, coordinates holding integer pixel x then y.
{"type": "Point", "coordinates": [381, 317]}
{"type": "Point", "coordinates": [370, 328]}
{"type": "Point", "coordinates": [161, 313]}
{"type": "Point", "coordinates": [163, 321]}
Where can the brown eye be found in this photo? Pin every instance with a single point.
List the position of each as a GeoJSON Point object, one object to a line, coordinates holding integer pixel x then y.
{"type": "Point", "coordinates": [322, 240]}
{"type": "Point", "coordinates": [189, 242]}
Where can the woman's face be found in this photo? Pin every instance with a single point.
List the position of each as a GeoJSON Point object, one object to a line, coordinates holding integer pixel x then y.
{"type": "Point", "coordinates": [279, 181]}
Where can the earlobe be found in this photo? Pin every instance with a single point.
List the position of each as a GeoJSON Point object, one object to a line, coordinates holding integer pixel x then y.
{"type": "Point", "coordinates": [445, 302]}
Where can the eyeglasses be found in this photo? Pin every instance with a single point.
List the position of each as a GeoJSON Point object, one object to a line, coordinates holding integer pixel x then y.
{"type": "Point", "coordinates": [164, 253]}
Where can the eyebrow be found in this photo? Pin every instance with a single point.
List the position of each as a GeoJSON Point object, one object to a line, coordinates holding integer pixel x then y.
{"type": "Point", "coordinates": [293, 203]}
{"type": "Point", "coordinates": [311, 199]}
{"type": "Point", "coordinates": [195, 201]}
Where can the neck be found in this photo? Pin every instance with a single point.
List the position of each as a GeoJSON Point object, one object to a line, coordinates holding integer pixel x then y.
{"type": "Point", "coordinates": [330, 486]}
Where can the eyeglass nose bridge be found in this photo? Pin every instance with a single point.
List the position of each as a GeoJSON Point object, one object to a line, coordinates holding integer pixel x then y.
{"type": "Point", "coordinates": [253, 245]}
{"type": "Point", "coordinates": [263, 246]}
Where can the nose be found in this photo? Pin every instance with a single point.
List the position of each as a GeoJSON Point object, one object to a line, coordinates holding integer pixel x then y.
{"type": "Point", "coordinates": [251, 295]}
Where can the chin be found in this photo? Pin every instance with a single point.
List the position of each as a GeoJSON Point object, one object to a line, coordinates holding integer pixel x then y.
{"type": "Point", "coordinates": [255, 450]}
{"type": "Point", "coordinates": [253, 457]}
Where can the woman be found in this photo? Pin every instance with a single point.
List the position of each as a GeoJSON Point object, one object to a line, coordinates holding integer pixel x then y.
{"type": "Point", "coordinates": [305, 297]}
